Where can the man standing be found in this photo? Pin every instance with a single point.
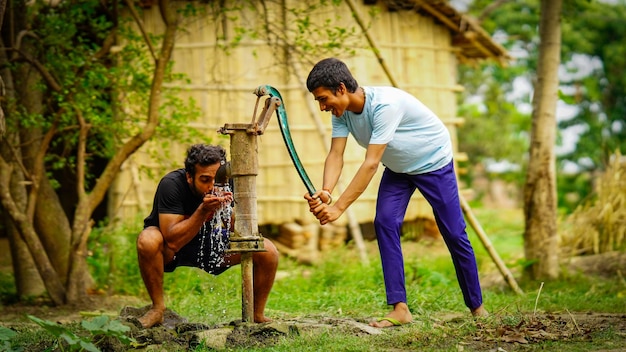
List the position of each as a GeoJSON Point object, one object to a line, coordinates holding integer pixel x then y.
{"type": "Point", "coordinates": [414, 146]}
{"type": "Point", "coordinates": [185, 228]}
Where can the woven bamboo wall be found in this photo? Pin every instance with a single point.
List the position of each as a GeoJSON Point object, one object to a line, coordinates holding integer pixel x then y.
{"type": "Point", "coordinates": [414, 46]}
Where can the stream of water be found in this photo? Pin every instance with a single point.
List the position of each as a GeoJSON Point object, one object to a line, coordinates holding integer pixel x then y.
{"type": "Point", "coordinates": [216, 232]}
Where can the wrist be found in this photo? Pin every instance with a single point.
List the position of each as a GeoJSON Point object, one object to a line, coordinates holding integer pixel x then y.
{"type": "Point", "coordinates": [330, 197]}
{"type": "Point", "coordinates": [204, 209]}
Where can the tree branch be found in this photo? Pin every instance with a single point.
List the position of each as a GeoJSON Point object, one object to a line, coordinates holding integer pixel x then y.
{"type": "Point", "coordinates": [106, 45]}
{"type": "Point", "coordinates": [38, 169]}
{"type": "Point", "coordinates": [491, 8]}
{"type": "Point", "coordinates": [21, 35]}
{"type": "Point", "coordinates": [17, 160]}
{"type": "Point", "coordinates": [135, 142]}
{"type": "Point", "coordinates": [80, 155]}
{"type": "Point", "coordinates": [47, 76]}
{"type": "Point", "coordinates": [146, 38]}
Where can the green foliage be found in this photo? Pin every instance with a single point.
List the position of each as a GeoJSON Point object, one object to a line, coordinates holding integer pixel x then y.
{"type": "Point", "coordinates": [326, 39]}
{"type": "Point", "coordinates": [6, 334]}
{"type": "Point", "coordinates": [7, 287]}
{"type": "Point", "coordinates": [98, 328]}
{"type": "Point", "coordinates": [5, 340]}
{"type": "Point", "coordinates": [106, 89]}
{"type": "Point", "coordinates": [64, 334]}
{"type": "Point", "coordinates": [340, 286]}
{"type": "Point", "coordinates": [592, 30]}
{"type": "Point", "coordinates": [494, 128]}
{"type": "Point", "coordinates": [497, 123]}
{"type": "Point", "coordinates": [103, 326]}
{"type": "Point", "coordinates": [572, 189]}
{"type": "Point", "coordinates": [70, 37]}
{"type": "Point", "coordinates": [113, 258]}
{"type": "Point", "coordinates": [593, 86]}
{"type": "Point", "coordinates": [309, 39]}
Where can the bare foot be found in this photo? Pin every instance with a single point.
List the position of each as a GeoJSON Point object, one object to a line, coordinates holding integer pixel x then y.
{"type": "Point", "coordinates": [480, 312]}
{"type": "Point", "coordinates": [399, 315]}
{"type": "Point", "coordinates": [152, 318]}
{"type": "Point", "coordinates": [262, 319]}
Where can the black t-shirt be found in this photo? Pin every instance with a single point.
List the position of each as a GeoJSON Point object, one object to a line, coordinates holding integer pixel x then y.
{"type": "Point", "coordinates": [173, 196]}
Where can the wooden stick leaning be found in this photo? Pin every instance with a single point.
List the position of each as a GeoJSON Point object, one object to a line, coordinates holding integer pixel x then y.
{"type": "Point", "coordinates": [508, 277]}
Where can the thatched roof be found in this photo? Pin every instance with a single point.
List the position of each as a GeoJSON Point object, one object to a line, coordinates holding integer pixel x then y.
{"type": "Point", "coordinates": [473, 42]}
{"type": "Point", "coordinates": [467, 35]}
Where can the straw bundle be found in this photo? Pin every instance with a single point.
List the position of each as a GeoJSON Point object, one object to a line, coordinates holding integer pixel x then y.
{"type": "Point", "coordinates": [599, 225]}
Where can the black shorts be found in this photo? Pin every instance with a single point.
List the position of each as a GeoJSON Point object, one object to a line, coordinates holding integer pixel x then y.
{"type": "Point", "coordinates": [206, 251]}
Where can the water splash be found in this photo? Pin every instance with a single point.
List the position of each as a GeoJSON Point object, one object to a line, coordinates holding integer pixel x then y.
{"type": "Point", "coordinates": [216, 233]}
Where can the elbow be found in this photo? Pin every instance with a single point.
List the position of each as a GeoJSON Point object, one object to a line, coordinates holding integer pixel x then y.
{"type": "Point", "coordinates": [370, 166]}
{"type": "Point", "coordinates": [172, 246]}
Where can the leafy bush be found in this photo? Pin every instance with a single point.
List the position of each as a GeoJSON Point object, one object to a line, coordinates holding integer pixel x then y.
{"type": "Point", "coordinates": [5, 340]}
{"type": "Point", "coordinates": [113, 258]}
{"type": "Point", "coordinates": [98, 328]}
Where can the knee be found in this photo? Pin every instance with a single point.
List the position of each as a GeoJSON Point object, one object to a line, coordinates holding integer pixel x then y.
{"type": "Point", "coordinates": [149, 241]}
{"type": "Point", "coordinates": [386, 222]}
{"type": "Point", "coordinates": [269, 258]}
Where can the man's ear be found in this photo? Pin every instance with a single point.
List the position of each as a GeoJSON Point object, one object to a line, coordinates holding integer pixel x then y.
{"type": "Point", "coordinates": [189, 178]}
{"type": "Point", "coordinates": [342, 88]}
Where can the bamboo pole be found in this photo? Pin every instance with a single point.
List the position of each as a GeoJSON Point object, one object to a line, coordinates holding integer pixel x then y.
{"type": "Point", "coordinates": [464, 205]}
{"type": "Point", "coordinates": [371, 42]}
{"type": "Point", "coordinates": [489, 246]}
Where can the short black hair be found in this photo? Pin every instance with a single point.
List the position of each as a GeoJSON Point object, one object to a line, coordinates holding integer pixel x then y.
{"type": "Point", "coordinates": [330, 73]}
{"type": "Point", "coordinates": [203, 155]}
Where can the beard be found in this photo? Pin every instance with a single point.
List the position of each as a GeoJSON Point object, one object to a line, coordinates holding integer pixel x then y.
{"type": "Point", "coordinates": [196, 192]}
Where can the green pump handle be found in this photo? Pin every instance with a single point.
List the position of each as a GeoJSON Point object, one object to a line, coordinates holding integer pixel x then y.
{"type": "Point", "coordinates": [284, 129]}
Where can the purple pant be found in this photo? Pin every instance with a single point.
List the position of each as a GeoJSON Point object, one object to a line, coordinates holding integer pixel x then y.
{"type": "Point", "coordinates": [441, 191]}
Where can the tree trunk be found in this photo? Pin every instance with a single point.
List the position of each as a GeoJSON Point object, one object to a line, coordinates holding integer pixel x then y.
{"type": "Point", "coordinates": [14, 189]}
{"type": "Point", "coordinates": [540, 199]}
{"type": "Point", "coordinates": [50, 221]}
{"type": "Point", "coordinates": [27, 280]}
{"type": "Point", "coordinates": [57, 244]}
{"type": "Point", "coordinates": [76, 288]}
{"type": "Point", "coordinates": [24, 226]}
{"type": "Point", "coordinates": [54, 230]}
{"type": "Point", "coordinates": [87, 203]}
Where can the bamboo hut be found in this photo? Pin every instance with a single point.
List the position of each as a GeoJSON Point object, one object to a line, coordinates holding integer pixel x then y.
{"type": "Point", "coordinates": [415, 44]}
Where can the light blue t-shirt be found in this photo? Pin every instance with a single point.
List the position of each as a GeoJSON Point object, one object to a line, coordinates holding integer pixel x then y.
{"type": "Point", "coordinates": [417, 141]}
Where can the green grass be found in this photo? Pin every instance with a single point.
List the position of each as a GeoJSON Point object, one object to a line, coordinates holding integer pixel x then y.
{"type": "Point", "coordinates": [340, 286]}
{"type": "Point", "coordinates": [505, 230]}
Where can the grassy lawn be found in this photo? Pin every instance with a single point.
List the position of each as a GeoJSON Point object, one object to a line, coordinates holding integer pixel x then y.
{"type": "Point", "coordinates": [341, 286]}
{"type": "Point", "coordinates": [574, 313]}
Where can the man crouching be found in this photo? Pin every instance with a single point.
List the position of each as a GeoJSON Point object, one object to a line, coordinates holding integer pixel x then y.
{"type": "Point", "coordinates": [185, 229]}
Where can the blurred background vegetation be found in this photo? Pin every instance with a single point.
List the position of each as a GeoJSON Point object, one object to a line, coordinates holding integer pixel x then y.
{"type": "Point", "coordinates": [497, 106]}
